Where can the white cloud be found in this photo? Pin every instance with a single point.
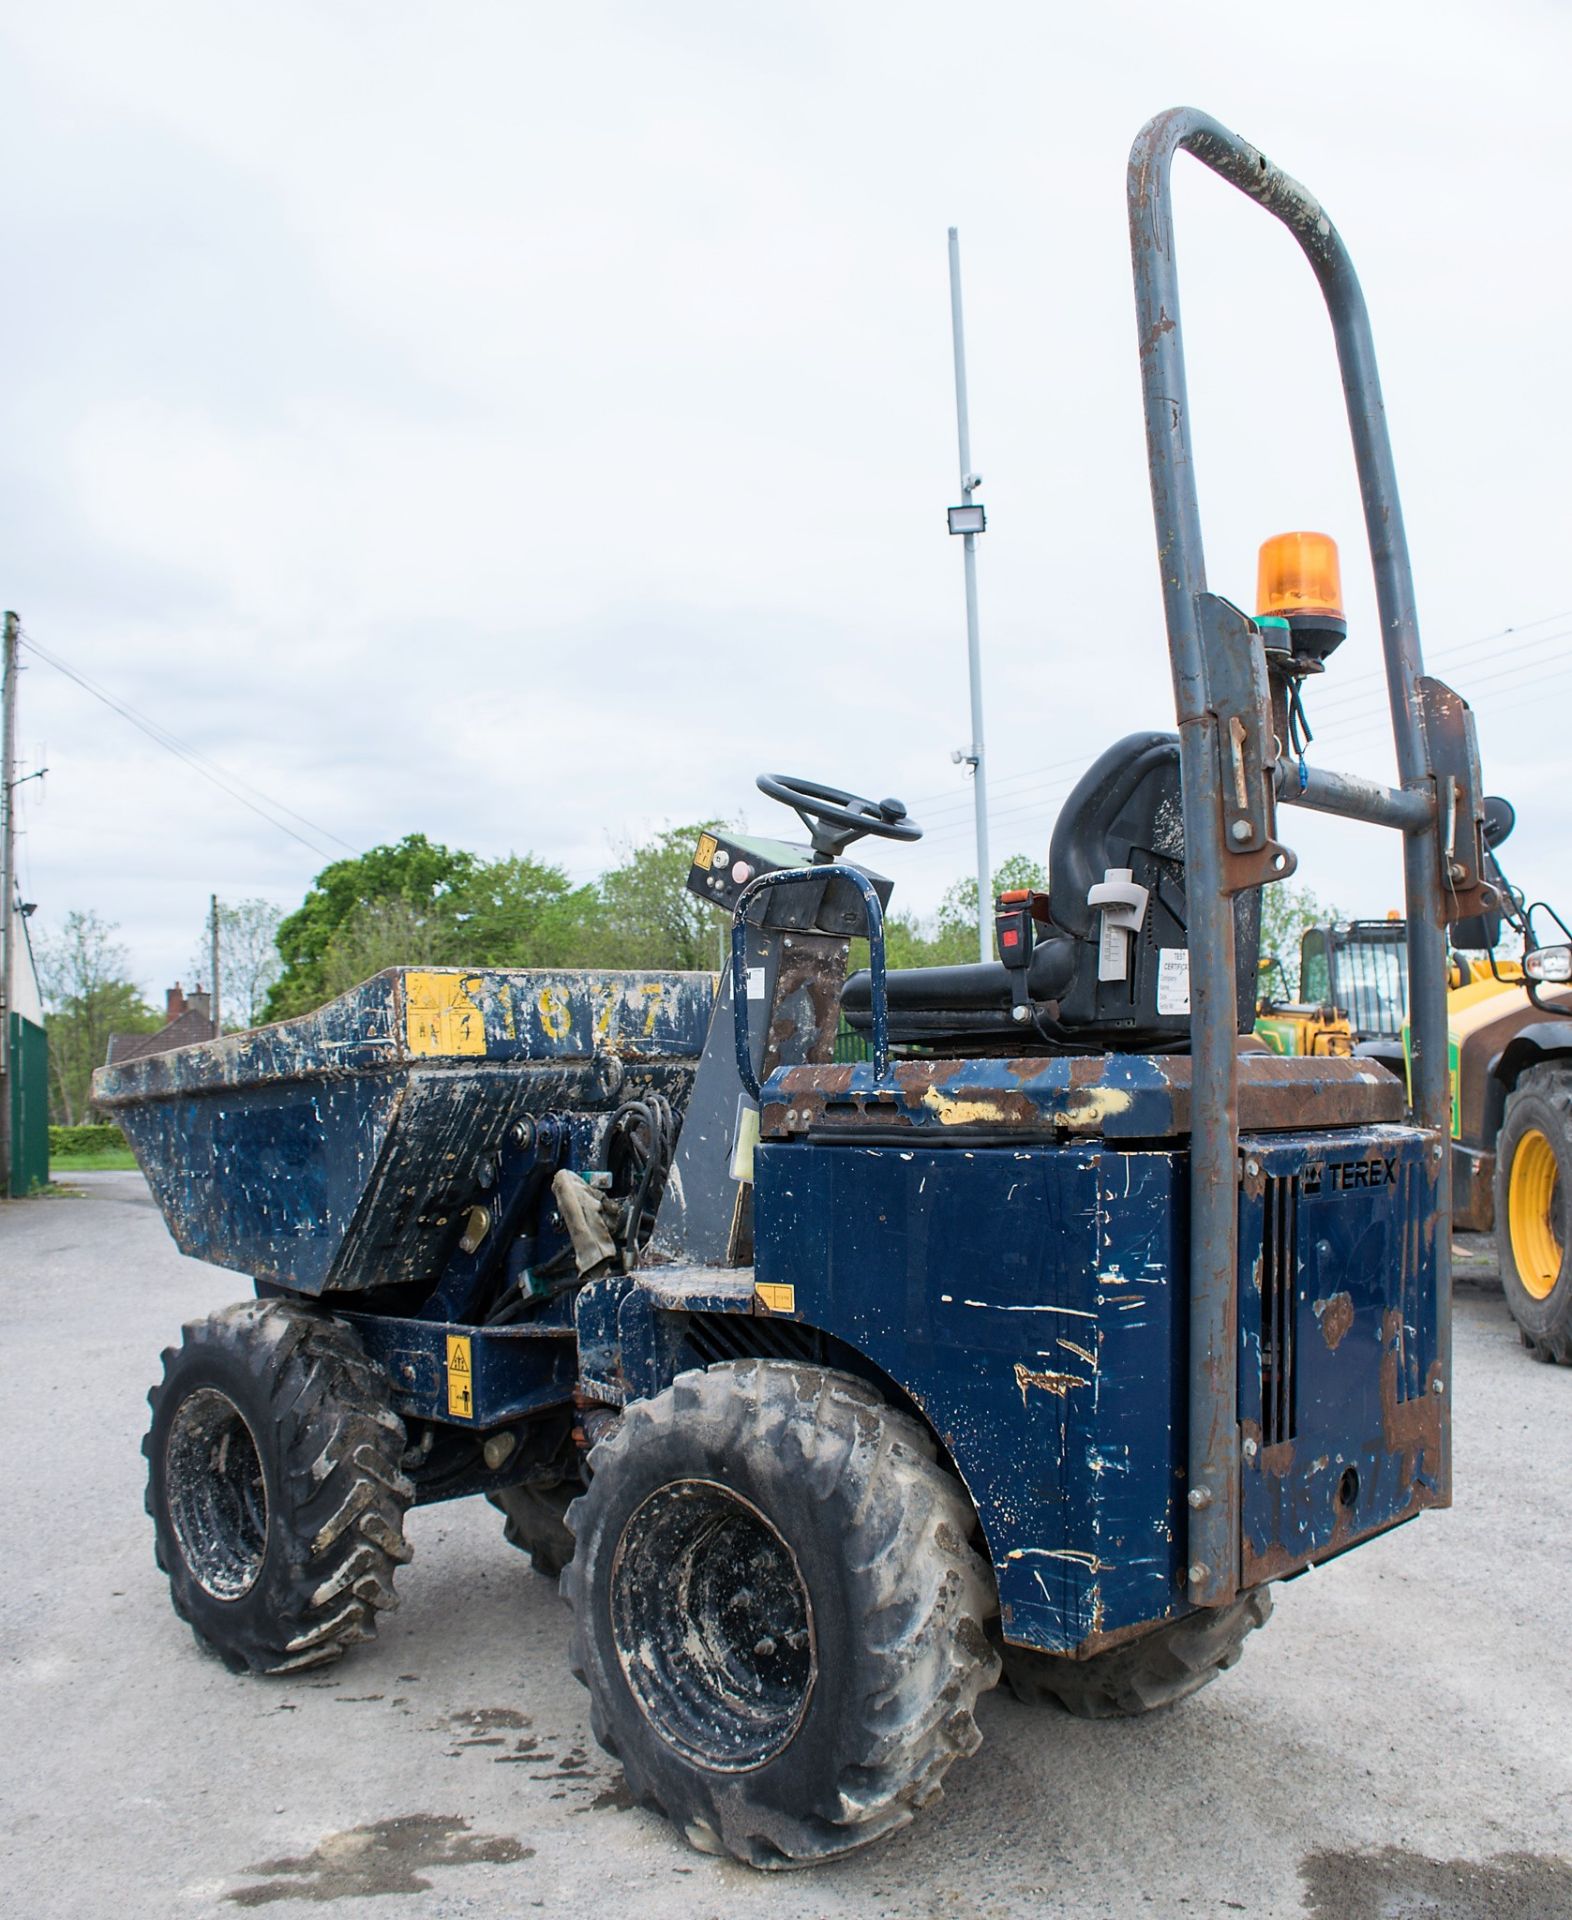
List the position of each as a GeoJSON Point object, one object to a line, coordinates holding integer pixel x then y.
{"type": "Point", "coordinates": [524, 424]}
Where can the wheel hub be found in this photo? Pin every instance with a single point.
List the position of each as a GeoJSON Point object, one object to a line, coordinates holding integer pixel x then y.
{"type": "Point", "coordinates": [712, 1624]}
{"type": "Point", "coordinates": [1534, 1205]}
{"type": "Point", "coordinates": [217, 1494]}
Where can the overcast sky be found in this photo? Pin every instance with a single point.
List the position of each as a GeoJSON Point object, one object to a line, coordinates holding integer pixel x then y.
{"type": "Point", "coordinates": [523, 424]}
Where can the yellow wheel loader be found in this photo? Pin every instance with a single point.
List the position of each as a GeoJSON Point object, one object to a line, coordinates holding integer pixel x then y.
{"type": "Point", "coordinates": [1509, 1049]}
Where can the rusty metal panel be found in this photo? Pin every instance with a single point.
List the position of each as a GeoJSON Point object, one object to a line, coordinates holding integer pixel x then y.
{"type": "Point", "coordinates": [1343, 1400]}
{"type": "Point", "coordinates": [1473, 1189]}
{"type": "Point", "coordinates": [1113, 1096]}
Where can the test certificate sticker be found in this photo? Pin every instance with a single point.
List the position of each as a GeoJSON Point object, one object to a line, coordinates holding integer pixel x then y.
{"type": "Point", "coordinates": [1173, 980]}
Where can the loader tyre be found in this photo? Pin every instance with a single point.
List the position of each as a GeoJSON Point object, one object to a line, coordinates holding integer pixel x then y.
{"type": "Point", "coordinates": [274, 1487]}
{"type": "Point", "coordinates": [1157, 1670]}
{"type": "Point", "coordinates": [1534, 1210]}
{"type": "Point", "coordinates": [776, 1612]}
{"type": "Point", "coordinates": [534, 1523]}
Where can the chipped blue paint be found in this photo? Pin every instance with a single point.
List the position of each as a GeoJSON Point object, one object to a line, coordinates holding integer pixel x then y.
{"type": "Point", "coordinates": [989, 1285]}
{"type": "Point", "coordinates": [1034, 1304]}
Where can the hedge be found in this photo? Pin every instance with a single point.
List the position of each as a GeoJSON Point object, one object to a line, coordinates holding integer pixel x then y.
{"type": "Point", "coordinates": [66, 1142]}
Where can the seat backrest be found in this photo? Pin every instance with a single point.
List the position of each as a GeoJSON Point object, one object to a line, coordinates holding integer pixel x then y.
{"type": "Point", "coordinates": [1126, 812]}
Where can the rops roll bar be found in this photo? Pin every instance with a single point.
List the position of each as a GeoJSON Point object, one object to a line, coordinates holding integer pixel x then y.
{"type": "Point", "coordinates": [1233, 775]}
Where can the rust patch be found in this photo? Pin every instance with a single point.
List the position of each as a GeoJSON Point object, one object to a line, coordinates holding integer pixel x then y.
{"type": "Point", "coordinates": [820, 1081]}
{"type": "Point", "coordinates": [1274, 1090]}
{"type": "Point", "coordinates": [1336, 1317]}
{"type": "Point", "coordinates": [915, 1076]}
{"type": "Point", "coordinates": [1059, 1383]}
{"type": "Point", "coordinates": [1409, 1427]}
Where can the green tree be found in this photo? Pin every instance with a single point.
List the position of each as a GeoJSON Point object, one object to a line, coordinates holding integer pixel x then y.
{"type": "Point", "coordinates": [520, 912]}
{"type": "Point", "coordinates": [417, 874]}
{"type": "Point", "coordinates": [379, 934]}
{"type": "Point", "coordinates": [83, 977]}
{"type": "Point", "coordinates": [647, 916]}
{"type": "Point", "coordinates": [956, 930]}
{"type": "Point", "coordinates": [1286, 911]}
{"type": "Point", "coordinates": [422, 904]}
{"type": "Point", "coordinates": [949, 938]}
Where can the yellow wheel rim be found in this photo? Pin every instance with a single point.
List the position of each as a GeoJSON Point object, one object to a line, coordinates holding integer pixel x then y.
{"type": "Point", "coordinates": [1531, 1200]}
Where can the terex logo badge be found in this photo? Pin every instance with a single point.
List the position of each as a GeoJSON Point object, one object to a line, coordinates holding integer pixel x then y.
{"type": "Point", "coordinates": [1341, 1176]}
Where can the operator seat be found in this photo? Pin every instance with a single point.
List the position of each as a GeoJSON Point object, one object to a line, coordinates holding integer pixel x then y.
{"type": "Point", "coordinates": [1123, 814]}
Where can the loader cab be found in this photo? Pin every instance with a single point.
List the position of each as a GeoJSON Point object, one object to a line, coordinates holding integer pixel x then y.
{"type": "Point", "coordinates": [1361, 968]}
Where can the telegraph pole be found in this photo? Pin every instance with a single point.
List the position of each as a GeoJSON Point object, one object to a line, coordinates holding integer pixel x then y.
{"type": "Point", "coordinates": [970, 519]}
{"type": "Point", "coordinates": [213, 923]}
{"type": "Point", "coordinates": [8, 673]}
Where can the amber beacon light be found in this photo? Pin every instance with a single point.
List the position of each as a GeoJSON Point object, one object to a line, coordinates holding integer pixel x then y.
{"type": "Point", "coordinates": [1298, 579]}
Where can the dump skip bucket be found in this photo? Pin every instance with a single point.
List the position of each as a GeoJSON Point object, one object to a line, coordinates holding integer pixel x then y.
{"type": "Point", "coordinates": [328, 1154]}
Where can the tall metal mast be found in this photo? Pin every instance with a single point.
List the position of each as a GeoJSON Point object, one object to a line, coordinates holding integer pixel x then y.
{"type": "Point", "coordinates": [969, 519]}
{"type": "Point", "coordinates": [8, 674]}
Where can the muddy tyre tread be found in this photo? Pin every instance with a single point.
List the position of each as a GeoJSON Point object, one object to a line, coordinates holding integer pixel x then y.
{"type": "Point", "coordinates": [921, 1599]}
{"type": "Point", "coordinates": [330, 1446]}
{"type": "Point", "coordinates": [1544, 1326]}
{"type": "Point", "coordinates": [533, 1522]}
{"type": "Point", "coordinates": [1160, 1669]}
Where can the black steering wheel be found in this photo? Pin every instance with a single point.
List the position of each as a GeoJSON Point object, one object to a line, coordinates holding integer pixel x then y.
{"type": "Point", "coordinates": [835, 818]}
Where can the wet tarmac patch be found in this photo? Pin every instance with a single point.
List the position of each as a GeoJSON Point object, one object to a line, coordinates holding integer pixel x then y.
{"type": "Point", "coordinates": [613, 1799]}
{"type": "Point", "coordinates": [388, 1856]}
{"type": "Point", "coordinates": [487, 1719]}
{"type": "Point", "coordinates": [1393, 1885]}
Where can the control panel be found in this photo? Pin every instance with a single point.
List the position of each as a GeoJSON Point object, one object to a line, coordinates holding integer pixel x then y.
{"type": "Point", "coordinates": [724, 863]}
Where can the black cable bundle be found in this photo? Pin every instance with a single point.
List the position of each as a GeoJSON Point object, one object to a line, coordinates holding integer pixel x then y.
{"type": "Point", "coordinates": [639, 1145]}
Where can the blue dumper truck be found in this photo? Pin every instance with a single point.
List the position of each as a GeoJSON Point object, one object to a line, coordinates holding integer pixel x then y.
{"type": "Point", "coordinates": [1038, 1344]}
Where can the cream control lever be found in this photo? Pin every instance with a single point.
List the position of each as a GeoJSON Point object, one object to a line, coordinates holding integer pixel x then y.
{"type": "Point", "coordinates": [1123, 906]}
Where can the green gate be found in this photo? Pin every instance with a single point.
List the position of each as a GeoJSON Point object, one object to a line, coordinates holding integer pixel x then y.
{"type": "Point", "coordinates": [29, 1058]}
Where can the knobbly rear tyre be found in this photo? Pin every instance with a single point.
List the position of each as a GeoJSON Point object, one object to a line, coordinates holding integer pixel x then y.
{"type": "Point", "coordinates": [274, 1487]}
{"type": "Point", "coordinates": [1534, 1210]}
{"type": "Point", "coordinates": [1159, 1669]}
{"type": "Point", "coordinates": [534, 1523]}
{"type": "Point", "coordinates": [776, 1612]}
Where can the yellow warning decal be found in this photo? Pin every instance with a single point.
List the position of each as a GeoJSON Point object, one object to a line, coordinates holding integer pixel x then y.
{"type": "Point", "coordinates": [461, 1377]}
{"type": "Point", "coordinates": [774, 1298]}
{"type": "Point", "coordinates": [440, 1017]}
{"type": "Point", "coordinates": [704, 853]}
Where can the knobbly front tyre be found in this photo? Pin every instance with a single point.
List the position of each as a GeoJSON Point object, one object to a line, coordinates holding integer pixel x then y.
{"type": "Point", "coordinates": [1534, 1210]}
{"type": "Point", "coordinates": [776, 1612]}
{"type": "Point", "coordinates": [274, 1487]}
{"type": "Point", "coordinates": [1159, 1669]}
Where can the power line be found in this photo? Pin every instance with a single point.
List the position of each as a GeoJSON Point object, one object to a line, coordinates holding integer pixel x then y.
{"type": "Point", "coordinates": [1491, 702]}
{"type": "Point", "coordinates": [230, 783]}
{"type": "Point", "coordinates": [1351, 692]}
{"type": "Point", "coordinates": [1355, 691]}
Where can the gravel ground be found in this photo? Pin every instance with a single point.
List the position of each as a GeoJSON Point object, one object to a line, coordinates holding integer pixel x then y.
{"type": "Point", "coordinates": [1396, 1744]}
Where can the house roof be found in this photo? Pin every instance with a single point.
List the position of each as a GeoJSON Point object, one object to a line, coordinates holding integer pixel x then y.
{"type": "Point", "coordinates": [183, 1031]}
